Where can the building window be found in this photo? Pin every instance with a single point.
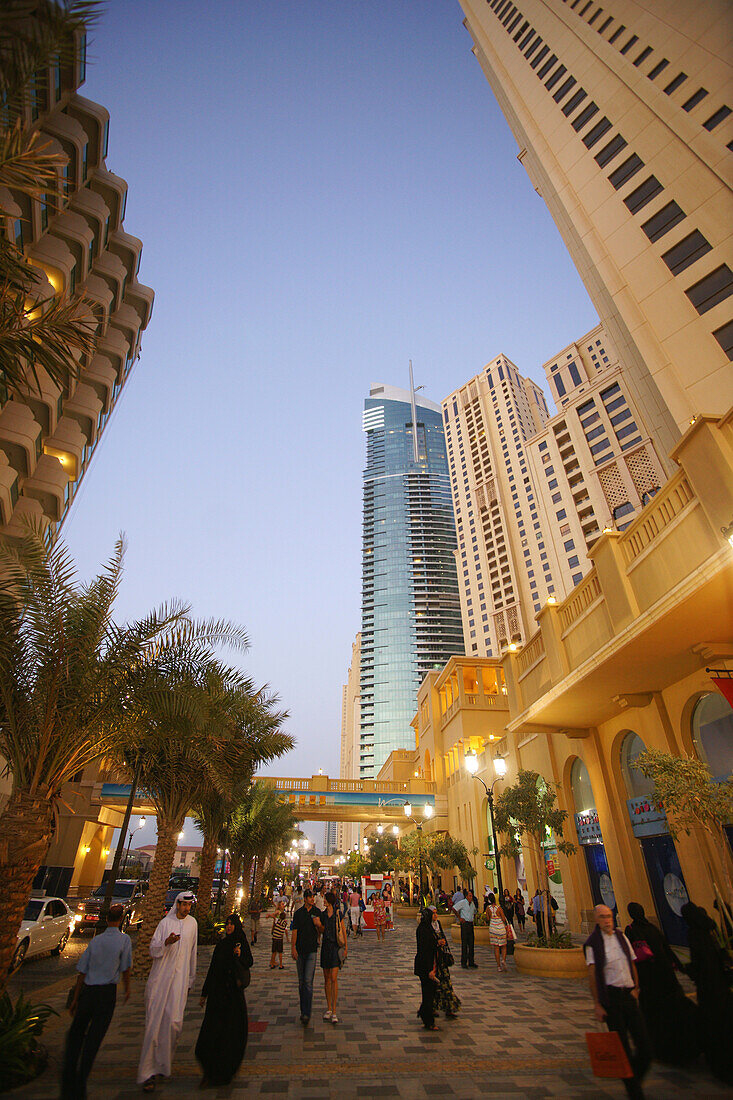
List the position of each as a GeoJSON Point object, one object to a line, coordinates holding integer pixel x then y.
{"type": "Point", "coordinates": [693, 101]}
{"type": "Point", "coordinates": [674, 84]}
{"type": "Point", "coordinates": [625, 171]}
{"type": "Point", "coordinates": [658, 68]}
{"type": "Point", "coordinates": [714, 288]}
{"type": "Point", "coordinates": [724, 336]}
{"type": "Point", "coordinates": [715, 120]}
{"type": "Point", "coordinates": [664, 220]}
{"type": "Point", "coordinates": [684, 254]}
{"type": "Point", "coordinates": [643, 194]}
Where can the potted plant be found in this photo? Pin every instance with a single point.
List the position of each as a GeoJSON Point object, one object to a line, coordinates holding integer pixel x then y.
{"type": "Point", "coordinates": [527, 812]}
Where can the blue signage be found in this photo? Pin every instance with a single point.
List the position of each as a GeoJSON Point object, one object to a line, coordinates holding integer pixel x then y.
{"type": "Point", "coordinates": [588, 827]}
{"type": "Point", "coordinates": [646, 818]}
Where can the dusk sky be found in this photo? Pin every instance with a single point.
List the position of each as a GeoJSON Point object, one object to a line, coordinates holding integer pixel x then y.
{"type": "Point", "coordinates": [324, 190]}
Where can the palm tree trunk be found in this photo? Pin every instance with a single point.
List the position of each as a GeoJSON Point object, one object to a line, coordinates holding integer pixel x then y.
{"type": "Point", "coordinates": [235, 866]}
{"type": "Point", "coordinates": [165, 852]}
{"type": "Point", "coordinates": [259, 875]}
{"type": "Point", "coordinates": [26, 829]}
{"type": "Point", "coordinates": [206, 876]}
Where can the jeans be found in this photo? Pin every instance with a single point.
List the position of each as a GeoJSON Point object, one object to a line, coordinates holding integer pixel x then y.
{"type": "Point", "coordinates": [467, 943]}
{"type": "Point", "coordinates": [88, 1028]}
{"type": "Point", "coordinates": [624, 1016]}
{"type": "Point", "coordinates": [306, 966]}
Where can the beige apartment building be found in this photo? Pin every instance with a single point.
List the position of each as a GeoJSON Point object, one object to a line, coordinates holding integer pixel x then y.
{"type": "Point", "coordinates": [618, 666]}
{"type": "Point", "coordinates": [594, 465]}
{"type": "Point", "coordinates": [80, 247]}
{"type": "Point", "coordinates": [505, 571]}
{"type": "Point", "coordinates": [623, 114]}
{"type": "Point", "coordinates": [348, 833]}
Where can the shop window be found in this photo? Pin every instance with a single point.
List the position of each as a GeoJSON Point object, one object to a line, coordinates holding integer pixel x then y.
{"type": "Point", "coordinates": [637, 785]}
{"type": "Point", "coordinates": [712, 733]}
{"type": "Point", "coordinates": [581, 787]}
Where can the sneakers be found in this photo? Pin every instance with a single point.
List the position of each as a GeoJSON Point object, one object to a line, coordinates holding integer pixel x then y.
{"type": "Point", "coordinates": [327, 1015]}
{"type": "Point", "coordinates": [334, 1018]}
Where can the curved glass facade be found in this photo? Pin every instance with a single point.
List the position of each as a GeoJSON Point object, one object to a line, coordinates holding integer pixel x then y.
{"type": "Point", "coordinates": [411, 616]}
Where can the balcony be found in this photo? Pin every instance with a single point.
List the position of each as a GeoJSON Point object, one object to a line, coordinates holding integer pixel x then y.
{"type": "Point", "coordinates": [657, 590]}
{"type": "Point", "coordinates": [48, 486]}
{"type": "Point", "coordinates": [20, 437]}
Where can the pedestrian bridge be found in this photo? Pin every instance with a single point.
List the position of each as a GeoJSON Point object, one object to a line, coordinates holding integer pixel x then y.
{"type": "Point", "coordinates": [323, 799]}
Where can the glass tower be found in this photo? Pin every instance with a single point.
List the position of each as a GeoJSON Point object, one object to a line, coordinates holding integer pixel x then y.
{"type": "Point", "coordinates": [411, 615]}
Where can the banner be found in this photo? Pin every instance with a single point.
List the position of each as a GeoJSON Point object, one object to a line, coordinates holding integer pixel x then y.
{"type": "Point", "coordinates": [371, 885]}
{"type": "Point", "coordinates": [724, 684]}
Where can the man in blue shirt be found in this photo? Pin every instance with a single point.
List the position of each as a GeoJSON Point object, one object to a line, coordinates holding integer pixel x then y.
{"type": "Point", "coordinates": [466, 911]}
{"type": "Point", "coordinates": [93, 1002]}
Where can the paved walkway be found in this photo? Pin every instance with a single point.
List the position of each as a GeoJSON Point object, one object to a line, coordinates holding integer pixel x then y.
{"type": "Point", "coordinates": [515, 1036]}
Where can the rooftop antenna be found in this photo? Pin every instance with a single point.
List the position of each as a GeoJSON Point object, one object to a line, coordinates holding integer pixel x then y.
{"type": "Point", "coordinates": [413, 391]}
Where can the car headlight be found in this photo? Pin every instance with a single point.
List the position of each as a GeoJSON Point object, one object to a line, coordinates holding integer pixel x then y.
{"type": "Point", "coordinates": [80, 907]}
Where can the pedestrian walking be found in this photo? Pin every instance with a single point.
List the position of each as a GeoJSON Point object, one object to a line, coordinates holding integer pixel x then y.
{"type": "Point", "coordinates": [538, 909]}
{"type": "Point", "coordinates": [107, 958]}
{"type": "Point", "coordinates": [388, 903]}
{"type": "Point", "coordinates": [519, 912]}
{"type": "Point", "coordinates": [710, 970]}
{"type": "Point", "coordinates": [297, 899]}
{"type": "Point", "coordinates": [380, 914]}
{"type": "Point", "coordinates": [507, 904]}
{"type": "Point", "coordinates": [487, 891]}
{"type": "Point", "coordinates": [355, 911]}
{"type": "Point", "coordinates": [425, 964]}
{"type": "Point", "coordinates": [466, 910]}
{"type": "Point", "coordinates": [255, 912]}
{"type": "Point", "coordinates": [305, 927]}
{"type": "Point", "coordinates": [614, 986]}
{"type": "Point", "coordinates": [279, 935]}
{"type": "Point", "coordinates": [223, 1036]}
{"type": "Point", "coordinates": [498, 925]}
{"type": "Point", "coordinates": [445, 996]}
{"type": "Point", "coordinates": [458, 896]}
{"type": "Point", "coordinates": [334, 938]}
{"type": "Point", "coordinates": [173, 950]}
{"type": "Point", "coordinates": [671, 1018]}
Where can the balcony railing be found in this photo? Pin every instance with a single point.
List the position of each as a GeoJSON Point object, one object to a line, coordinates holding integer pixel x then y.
{"type": "Point", "coordinates": [586, 594]}
{"type": "Point", "coordinates": [667, 505]}
{"type": "Point", "coordinates": [532, 652]}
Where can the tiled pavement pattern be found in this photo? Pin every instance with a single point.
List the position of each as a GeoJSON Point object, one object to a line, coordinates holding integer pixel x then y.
{"type": "Point", "coordinates": [515, 1036]}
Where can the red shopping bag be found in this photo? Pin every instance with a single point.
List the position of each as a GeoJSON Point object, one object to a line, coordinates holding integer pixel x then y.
{"type": "Point", "coordinates": [607, 1054]}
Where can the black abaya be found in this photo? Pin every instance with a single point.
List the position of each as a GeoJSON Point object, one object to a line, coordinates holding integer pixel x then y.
{"type": "Point", "coordinates": [223, 1037]}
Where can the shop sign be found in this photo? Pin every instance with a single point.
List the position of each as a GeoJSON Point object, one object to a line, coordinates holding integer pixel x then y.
{"type": "Point", "coordinates": [489, 864]}
{"type": "Point", "coordinates": [588, 827]}
{"type": "Point", "coordinates": [647, 819]}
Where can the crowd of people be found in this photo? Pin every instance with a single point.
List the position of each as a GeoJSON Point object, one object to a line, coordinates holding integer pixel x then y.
{"type": "Point", "coordinates": [633, 977]}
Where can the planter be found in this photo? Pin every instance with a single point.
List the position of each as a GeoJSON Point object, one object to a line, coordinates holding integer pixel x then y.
{"type": "Point", "coordinates": [548, 962]}
{"type": "Point", "coordinates": [409, 912]}
{"type": "Point", "coordinates": [480, 933]}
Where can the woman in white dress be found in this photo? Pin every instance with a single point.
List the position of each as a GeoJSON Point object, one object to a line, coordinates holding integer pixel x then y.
{"type": "Point", "coordinates": [497, 931]}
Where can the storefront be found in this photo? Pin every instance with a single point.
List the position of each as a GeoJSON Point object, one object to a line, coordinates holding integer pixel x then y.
{"type": "Point", "coordinates": [590, 838]}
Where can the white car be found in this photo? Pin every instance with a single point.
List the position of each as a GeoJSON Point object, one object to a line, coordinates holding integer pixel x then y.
{"type": "Point", "coordinates": [46, 926]}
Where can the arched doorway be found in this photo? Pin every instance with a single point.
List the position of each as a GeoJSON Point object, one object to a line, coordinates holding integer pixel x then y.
{"type": "Point", "coordinates": [712, 737]}
{"type": "Point", "coordinates": [649, 826]}
{"type": "Point", "coordinates": [589, 836]}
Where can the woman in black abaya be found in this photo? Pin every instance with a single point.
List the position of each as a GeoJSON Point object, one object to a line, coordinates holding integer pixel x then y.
{"type": "Point", "coordinates": [223, 1036]}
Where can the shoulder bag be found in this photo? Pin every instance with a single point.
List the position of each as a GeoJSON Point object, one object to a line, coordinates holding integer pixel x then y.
{"type": "Point", "coordinates": [341, 945]}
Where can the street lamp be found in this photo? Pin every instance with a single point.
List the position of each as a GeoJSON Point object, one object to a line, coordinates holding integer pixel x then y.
{"type": "Point", "coordinates": [141, 825]}
{"type": "Point", "coordinates": [471, 762]}
{"type": "Point", "coordinates": [418, 826]}
{"type": "Point", "coordinates": [380, 829]}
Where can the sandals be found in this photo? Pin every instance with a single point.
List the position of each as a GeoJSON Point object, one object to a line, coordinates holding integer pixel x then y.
{"type": "Point", "coordinates": [149, 1085]}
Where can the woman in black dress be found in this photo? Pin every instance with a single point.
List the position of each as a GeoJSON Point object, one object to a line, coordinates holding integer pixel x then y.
{"type": "Point", "coordinates": [670, 1016]}
{"type": "Point", "coordinates": [334, 937]}
{"type": "Point", "coordinates": [710, 970]}
{"type": "Point", "coordinates": [425, 960]}
{"type": "Point", "coordinates": [223, 1037]}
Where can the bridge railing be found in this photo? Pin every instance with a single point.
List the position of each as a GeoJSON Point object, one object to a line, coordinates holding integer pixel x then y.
{"type": "Point", "coordinates": [323, 785]}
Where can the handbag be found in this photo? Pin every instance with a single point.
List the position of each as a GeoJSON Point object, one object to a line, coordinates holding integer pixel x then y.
{"type": "Point", "coordinates": [447, 956]}
{"type": "Point", "coordinates": [642, 951]}
{"type": "Point", "coordinates": [244, 979]}
{"type": "Point", "coordinates": [341, 947]}
{"type": "Point", "coordinates": [511, 935]}
{"type": "Point", "coordinates": [607, 1055]}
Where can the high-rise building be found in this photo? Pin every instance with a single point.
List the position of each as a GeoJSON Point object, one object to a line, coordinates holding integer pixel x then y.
{"type": "Point", "coordinates": [594, 465]}
{"type": "Point", "coordinates": [347, 831]}
{"type": "Point", "coordinates": [506, 569]}
{"type": "Point", "coordinates": [331, 844]}
{"type": "Point", "coordinates": [78, 246]}
{"type": "Point", "coordinates": [411, 619]}
{"type": "Point", "coordinates": [623, 112]}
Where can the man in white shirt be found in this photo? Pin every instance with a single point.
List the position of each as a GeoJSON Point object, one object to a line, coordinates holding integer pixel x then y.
{"type": "Point", "coordinates": [466, 910]}
{"type": "Point", "coordinates": [614, 987]}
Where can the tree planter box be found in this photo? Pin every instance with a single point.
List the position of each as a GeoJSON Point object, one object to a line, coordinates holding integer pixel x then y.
{"type": "Point", "coordinates": [409, 912]}
{"type": "Point", "coordinates": [480, 933]}
{"type": "Point", "coordinates": [548, 962]}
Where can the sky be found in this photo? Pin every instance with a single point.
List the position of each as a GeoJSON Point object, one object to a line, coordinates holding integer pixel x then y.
{"type": "Point", "coordinates": [324, 191]}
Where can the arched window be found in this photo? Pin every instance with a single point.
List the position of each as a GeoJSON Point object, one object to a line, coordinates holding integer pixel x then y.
{"type": "Point", "coordinates": [712, 733]}
{"type": "Point", "coordinates": [581, 787]}
{"type": "Point", "coordinates": [637, 785]}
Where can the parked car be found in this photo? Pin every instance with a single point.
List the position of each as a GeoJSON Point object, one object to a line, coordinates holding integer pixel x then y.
{"type": "Point", "coordinates": [215, 890]}
{"type": "Point", "coordinates": [46, 926]}
{"type": "Point", "coordinates": [128, 892]}
{"type": "Point", "coordinates": [183, 882]}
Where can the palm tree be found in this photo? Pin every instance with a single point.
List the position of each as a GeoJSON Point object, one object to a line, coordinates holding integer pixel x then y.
{"type": "Point", "coordinates": [276, 830]}
{"type": "Point", "coordinates": [258, 739]}
{"type": "Point", "coordinates": [66, 673]}
{"type": "Point", "coordinates": [250, 834]}
{"type": "Point", "coordinates": [52, 332]}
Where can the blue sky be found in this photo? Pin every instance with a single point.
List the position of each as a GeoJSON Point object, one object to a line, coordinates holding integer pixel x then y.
{"type": "Point", "coordinates": [324, 190]}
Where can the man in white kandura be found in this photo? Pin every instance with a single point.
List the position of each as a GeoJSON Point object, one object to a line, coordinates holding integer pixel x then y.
{"type": "Point", "coordinates": [173, 949]}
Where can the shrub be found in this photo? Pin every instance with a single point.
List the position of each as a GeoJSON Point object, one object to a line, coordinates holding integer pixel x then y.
{"type": "Point", "coordinates": [560, 941]}
{"type": "Point", "coordinates": [210, 931]}
{"type": "Point", "coordinates": [22, 1056]}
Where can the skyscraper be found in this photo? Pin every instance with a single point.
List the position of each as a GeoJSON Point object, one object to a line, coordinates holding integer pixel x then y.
{"type": "Point", "coordinates": [411, 620]}
{"type": "Point", "coordinates": [623, 112]}
{"type": "Point", "coordinates": [348, 831]}
{"type": "Point", "coordinates": [506, 570]}
{"type": "Point", "coordinates": [78, 247]}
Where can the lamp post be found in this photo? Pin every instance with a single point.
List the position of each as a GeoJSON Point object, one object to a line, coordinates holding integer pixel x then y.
{"type": "Point", "coordinates": [427, 813]}
{"type": "Point", "coordinates": [471, 761]}
{"type": "Point", "coordinates": [141, 825]}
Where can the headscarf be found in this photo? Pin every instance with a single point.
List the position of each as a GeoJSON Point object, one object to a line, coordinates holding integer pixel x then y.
{"type": "Point", "coordinates": [185, 895]}
{"type": "Point", "coordinates": [238, 936]}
